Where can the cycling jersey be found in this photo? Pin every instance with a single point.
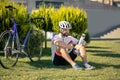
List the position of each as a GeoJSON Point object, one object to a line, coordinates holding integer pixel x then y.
{"type": "Point", "coordinates": [67, 40]}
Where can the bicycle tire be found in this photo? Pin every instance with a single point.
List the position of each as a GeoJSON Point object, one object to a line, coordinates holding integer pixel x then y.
{"type": "Point", "coordinates": [34, 45]}
{"type": "Point", "coordinates": [7, 57]}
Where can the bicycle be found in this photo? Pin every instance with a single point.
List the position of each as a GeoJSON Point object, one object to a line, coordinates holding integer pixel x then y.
{"type": "Point", "coordinates": [11, 48]}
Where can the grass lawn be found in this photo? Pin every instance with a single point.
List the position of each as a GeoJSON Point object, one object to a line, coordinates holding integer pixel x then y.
{"type": "Point", "coordinates": [103, 54]}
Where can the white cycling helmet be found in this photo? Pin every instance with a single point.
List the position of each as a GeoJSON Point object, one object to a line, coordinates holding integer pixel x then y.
{"type": "Point", "coordinates": [65, 25]}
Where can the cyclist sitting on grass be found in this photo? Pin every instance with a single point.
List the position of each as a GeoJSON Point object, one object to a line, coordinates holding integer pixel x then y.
{"type": "Point", "coordinates": [60, 45]}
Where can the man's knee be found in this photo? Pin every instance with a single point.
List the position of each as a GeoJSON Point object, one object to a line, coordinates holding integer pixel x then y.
{"type": "Point", "coordinates": [78, 47]}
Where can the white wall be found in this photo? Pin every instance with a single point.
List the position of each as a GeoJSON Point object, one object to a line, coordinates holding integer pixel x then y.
{"type": "Point", "coordinates": [101, 20]}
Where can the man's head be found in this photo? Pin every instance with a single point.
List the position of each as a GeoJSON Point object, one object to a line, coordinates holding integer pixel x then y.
{"type": "Point", "coordinates": [64, 27]}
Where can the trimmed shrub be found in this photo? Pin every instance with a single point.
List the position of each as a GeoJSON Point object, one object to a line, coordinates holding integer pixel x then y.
{"type": "Point", "coordinates": [20, 14]}
{"type": "Point", "coordinates": [77, 17]}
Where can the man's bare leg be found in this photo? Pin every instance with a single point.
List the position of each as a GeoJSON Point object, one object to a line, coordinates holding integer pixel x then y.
{"type": "Point", "coordinates": [66, 56]}
{"type": "Point", "coordinates": [83, 54]}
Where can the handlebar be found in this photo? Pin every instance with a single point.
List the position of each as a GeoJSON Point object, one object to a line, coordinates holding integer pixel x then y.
{"type": "Point", "coordinates": [10, 7]}
{"type": "Point", "coordinates": [31, 20]}
{"type": "Point", "coordinates": [38, 18]}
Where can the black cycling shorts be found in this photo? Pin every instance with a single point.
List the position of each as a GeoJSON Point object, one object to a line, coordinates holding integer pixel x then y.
{"type": "Point", "coordinates": [59, 60]}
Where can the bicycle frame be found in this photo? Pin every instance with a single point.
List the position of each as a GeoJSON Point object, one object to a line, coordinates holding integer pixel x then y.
{"type": "Point", "coordinates": [14, 35]}
{"type": "Point", "coordinates": [12, 45]}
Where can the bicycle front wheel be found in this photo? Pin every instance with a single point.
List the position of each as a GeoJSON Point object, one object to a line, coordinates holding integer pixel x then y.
{"type": "Point", "coordinates": [34, 45]}
{"type": "Point", "coordinates": [7, 57]}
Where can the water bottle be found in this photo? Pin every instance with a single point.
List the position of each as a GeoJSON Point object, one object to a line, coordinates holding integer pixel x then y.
{"type": "Point", "coordinates": [81, 39]}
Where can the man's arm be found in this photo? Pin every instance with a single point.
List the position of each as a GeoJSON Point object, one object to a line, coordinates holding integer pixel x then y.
{"type": "Point", "coordinates": [62, 44]}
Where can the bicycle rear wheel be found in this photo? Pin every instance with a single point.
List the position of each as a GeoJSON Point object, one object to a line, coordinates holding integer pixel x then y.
{"type": "Point", "coordinates": [34, 45]}
{"type": "Point", "coordinates": [7, 57]}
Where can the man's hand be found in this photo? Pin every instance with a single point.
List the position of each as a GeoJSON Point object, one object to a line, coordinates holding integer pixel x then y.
{"type": "Point", "coordinates": [83, 42]}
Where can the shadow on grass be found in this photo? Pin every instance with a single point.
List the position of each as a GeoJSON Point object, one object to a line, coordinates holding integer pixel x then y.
{"type": "Point", "coordinates": [101, 65]}
{"type": "Point", "coordinates": [104, 53]}
{"type": "Point", "coordinates": [117, 42]}
{"type": "Point", "coordinates": [46, 52]}
{"type": "Point", "coordinates": [101, 51]}
{"type": "Point", "coordinates": [96, 47]}
{"type": "Point", "coordinates": [113, 55]}
{"type": "Point", "coordinates": [46, 64]}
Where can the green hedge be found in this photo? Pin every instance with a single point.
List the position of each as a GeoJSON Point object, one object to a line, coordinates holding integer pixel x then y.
{"type": "Point", "coordinates": [77, 17]}
{"type": "Point", "coordinates": [20, 16]}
